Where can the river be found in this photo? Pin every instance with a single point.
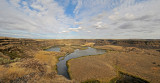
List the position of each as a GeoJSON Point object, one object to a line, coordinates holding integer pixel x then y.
{"type": "Point", "coordinates": [61, 65]}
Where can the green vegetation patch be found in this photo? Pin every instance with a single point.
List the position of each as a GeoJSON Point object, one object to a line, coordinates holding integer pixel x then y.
{"type": "Point", "coordinates": [69, 72]}
{"type": "Point", "coordinates": [80, 47]}
{"type": "Point", "coordinates": [13, 55]}
{"type": "Point", "coordinates": [91, 81]}
{"type": "Point", "coordinates": [7, 61]}
{"type": "Point", "coordinates": [126, 78]}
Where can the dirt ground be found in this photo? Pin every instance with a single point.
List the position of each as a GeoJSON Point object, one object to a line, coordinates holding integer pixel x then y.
{"type": "Point", "coordinates": [138, 62]}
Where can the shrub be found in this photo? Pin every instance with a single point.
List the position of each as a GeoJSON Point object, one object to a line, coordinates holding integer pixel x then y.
{"type": "Point", "coordinates": [91, 81]}
{"type": "Point", "coordinates": [7, 61]}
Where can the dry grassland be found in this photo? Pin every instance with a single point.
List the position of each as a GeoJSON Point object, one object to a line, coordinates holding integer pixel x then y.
{"type": "Point", "coordinates": [137, 62]}
{"type": "Point", "coordinates": [40, 69]}
{"type": "Point", "coordinates": [23, 61]}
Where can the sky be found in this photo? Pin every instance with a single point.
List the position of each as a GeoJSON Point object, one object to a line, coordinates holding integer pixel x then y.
{"type": "Point", "coordinates": [80, 19]}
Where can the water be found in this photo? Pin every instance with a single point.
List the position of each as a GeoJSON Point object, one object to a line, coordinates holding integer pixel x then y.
{"type": "Point", "coordinates": [61, 65]}
{"type": "Point", "coordinates": [56, 49]}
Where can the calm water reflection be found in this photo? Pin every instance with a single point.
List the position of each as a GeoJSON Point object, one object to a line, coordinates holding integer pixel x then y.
{"type": "Point", "coordinates": [56, 49]}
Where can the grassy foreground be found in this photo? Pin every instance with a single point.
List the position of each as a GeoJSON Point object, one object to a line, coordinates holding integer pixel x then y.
{"type": "Point", "coordinates": [40, 69]}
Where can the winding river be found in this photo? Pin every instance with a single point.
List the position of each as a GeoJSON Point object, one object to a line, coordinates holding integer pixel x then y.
{"type": "Point", "coordinates": [61, 65]}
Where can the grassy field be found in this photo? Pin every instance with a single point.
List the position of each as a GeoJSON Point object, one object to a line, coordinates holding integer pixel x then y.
{"type": "Point", "coordinates": [134, 61]}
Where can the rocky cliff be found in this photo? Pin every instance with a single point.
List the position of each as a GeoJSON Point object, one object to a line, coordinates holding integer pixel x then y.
{"type": "Point", "coordinates": [15, 47]}
{"type": "Point", "coordinates": [147, 44]}
{"type": "Point", "coordinates": [18, 48]}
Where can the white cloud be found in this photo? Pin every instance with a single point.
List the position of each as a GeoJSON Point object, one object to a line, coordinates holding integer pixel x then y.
{"type": "Point", "coordinates": [127, 17]}
{"type": "Point", "coordinates": [15, 3]}
{"type": "Point", "coordinates": [115, 16]}
{"type": "Point", "coordinates": [104, 18]}
{"type": "Point", "coordinates": [76, 29]}
{"type": "Point", "coordinates": [44, 16]}
{"type": "Point", "coordinates": [64, 32]}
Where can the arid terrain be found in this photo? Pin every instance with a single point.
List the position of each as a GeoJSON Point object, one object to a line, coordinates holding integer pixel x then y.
{"type": "Point", "coordinates": [141, 63]}
{"type": "Point", "coordinates": [24, 60]}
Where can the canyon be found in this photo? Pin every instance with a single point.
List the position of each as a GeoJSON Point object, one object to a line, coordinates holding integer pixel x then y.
{"type": "Point", "coordinates": [134, 57]}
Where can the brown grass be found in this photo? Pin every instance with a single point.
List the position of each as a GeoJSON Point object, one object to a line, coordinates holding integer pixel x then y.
{"type": "Point", "coordinates": [47, 57]}
{"type": "Point", "coordinates": [12, 72]}
{"type": "Point", "coordinates": [110, 47]}
{"type": "Point", "coordinates": [92, 67]}
{"type": "Point", "coordinates": [69, 49]}
{"type": "Point", "coordinates": [137, 62]}
{"type": "Point", "coordinates": [89, 44]}
{"type": "Point", "coordinates": [40, 69]}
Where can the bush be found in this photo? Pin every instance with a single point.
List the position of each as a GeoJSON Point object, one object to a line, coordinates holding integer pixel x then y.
{"type": "Point", "coordinates": [91, 81]}
{"type": "Point", "coordinates": [7, 61]}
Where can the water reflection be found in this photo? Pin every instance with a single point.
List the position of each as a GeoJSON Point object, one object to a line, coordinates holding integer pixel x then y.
{"type": "Point", "coordinates": [56, 49]}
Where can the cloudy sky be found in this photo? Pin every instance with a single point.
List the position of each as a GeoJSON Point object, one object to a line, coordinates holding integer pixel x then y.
{"type": "Point", "coordinates": [80, 19]}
